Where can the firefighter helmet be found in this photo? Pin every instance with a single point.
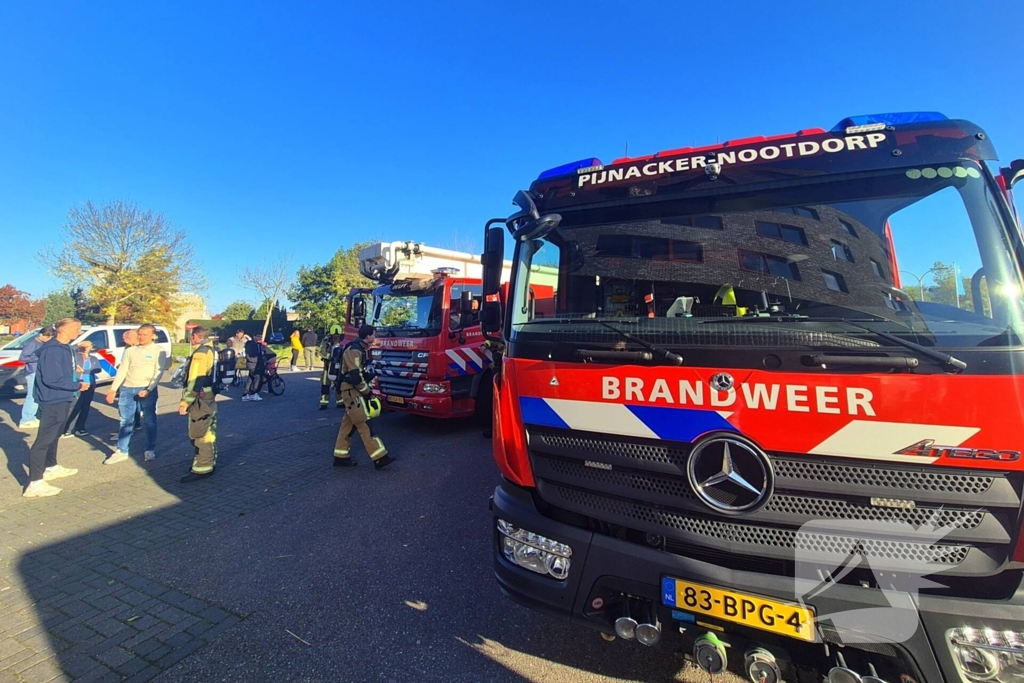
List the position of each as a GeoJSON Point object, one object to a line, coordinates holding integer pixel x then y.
{"type": "Point", "coordinates": [373, 407]}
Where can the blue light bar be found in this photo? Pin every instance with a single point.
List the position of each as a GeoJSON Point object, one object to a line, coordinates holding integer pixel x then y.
{"type": "Point", "coordinates": [569, 168]}
{"type": "Point", "coordinates": [894, 119]}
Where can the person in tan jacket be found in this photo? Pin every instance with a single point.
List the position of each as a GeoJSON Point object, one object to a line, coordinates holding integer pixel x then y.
{"type": "Point", "coordinates": [355, 392]}
{"type": "Point", "coordinates": [137, 378]}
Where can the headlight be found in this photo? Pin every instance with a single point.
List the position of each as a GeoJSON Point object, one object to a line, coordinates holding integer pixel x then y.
{"type": "Point", "coordinates": [434, 388]}
{"type": "Point", "coordinates": [533, 551]}
{"type": "Point", "coordinates": [984, 654]}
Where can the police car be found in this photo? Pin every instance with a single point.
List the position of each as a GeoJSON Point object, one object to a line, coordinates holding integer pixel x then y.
{"type": "Point", "coordinates": [107, 344]}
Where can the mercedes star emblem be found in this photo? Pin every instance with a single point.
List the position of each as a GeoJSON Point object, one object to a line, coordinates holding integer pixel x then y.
{"type": "Point", "coordinates": [730, 475]}
{"type": "Point", "coordinates": [721, 381]}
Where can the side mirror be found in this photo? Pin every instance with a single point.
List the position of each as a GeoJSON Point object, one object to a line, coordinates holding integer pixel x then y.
{"type": "Point", "coordinates": [1013, 174]}
{"type": "Point", "coordinates": [537, 228]}
{"type": "Point", "coordinates": [492, 260]}
{"type": "Point", "coordinates": [490, 317]}
{"type": "Point", "coordinates": [359, 307]}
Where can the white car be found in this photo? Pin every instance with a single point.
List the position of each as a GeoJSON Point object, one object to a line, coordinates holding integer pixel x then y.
{"type": "Point", "coordinates": [107, 345]}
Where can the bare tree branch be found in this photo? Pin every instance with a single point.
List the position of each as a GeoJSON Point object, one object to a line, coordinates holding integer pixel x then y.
{"type": "Point", "coordinates": [269, 281]}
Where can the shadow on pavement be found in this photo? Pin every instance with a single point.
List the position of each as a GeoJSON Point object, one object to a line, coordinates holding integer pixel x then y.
{"type": "Point", "coordinates": [282, 567]}
{"type": "Point", "coordinates": [16, 442]}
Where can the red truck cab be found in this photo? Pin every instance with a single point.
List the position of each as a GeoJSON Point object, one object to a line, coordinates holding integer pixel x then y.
{"type": "Point", "coordinates": [750, 426]}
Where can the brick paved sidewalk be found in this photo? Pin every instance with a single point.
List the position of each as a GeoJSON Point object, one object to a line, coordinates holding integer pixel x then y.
{"type": "Point", "coordinates": [70, 610]}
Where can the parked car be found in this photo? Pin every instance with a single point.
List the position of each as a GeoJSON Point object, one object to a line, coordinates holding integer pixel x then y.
{"type": "Point", "coordinates": [107, 344]}
{"type": "Point", "coordinates": [275, 338]}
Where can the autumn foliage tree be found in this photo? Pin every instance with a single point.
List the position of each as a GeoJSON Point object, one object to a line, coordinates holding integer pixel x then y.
{"type": "Point", "coordinates": [130, 261]}
{"type": "Point", "coordinates": [320, 291]}
{"type": "Point", "coordinates": [15, 305]}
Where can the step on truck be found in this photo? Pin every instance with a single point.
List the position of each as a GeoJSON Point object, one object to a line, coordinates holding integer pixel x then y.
{"type": "Point", "coordinates": [778, 409]}
{"type": "Point", "coordinates": [430, 357]}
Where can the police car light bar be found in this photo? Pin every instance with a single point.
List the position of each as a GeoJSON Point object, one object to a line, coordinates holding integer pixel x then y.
{"type": "Point", "coordinates": [893, 119]}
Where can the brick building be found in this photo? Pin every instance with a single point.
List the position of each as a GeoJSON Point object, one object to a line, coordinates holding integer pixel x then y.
{"type": "Point", "coordinates": [813, 253]}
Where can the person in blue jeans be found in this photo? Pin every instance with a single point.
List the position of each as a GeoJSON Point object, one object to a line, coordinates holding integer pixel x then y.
{"type": "Point", "coordinates": [137, 378]}
{"type": "Point", "coordinates": [28, 357]}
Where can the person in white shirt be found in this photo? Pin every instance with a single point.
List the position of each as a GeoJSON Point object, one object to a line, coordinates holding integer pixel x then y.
{"type": "Point", "coordinates": [137, 378]}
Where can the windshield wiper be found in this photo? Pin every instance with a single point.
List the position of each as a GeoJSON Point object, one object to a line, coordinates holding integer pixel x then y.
{"type": "Point", "coordinates": [951, 363]}
{"type": "Point", "coordinates": [660, 353]}
{"type": "Point", "coordinates": [944, 359]}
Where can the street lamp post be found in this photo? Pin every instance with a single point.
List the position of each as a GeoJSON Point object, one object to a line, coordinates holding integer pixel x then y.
{"type": "Point", "coordinates": [920, 279]}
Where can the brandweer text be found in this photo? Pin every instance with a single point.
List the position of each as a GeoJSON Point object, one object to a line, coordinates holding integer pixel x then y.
{"type": "Point", "coordinates": [796, 398]}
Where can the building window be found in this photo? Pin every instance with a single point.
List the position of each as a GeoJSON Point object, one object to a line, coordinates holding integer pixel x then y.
{"type": "Point", "coordinates": [706, 222]}
{"type": "Point", "coordinates": [799, 211]}
{"type": "Point", "coordinates": [781, 231]}
{"type": "Point", "coordinates": [768, 265]}
{"type": "Point", "coordinates": [841, 252]}
{"type": "Point", "coordinates": [848, 228]}
{"type": "Point", "coordinates": [834, 281]}
{"type": "Point", "coordinates": [877, 267]}
{"type": "Point", "coordinates": [650, 248]}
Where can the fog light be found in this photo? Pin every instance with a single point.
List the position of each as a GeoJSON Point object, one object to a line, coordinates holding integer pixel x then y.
{"type": "Point", "coordinates": [984, 654]}
{"type": "Point", "coordinates": [434, 388]}
{"type": "Point", "coordinates": [533, 551]}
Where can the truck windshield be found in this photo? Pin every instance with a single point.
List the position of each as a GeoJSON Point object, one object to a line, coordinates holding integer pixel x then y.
{"type": "Point", "coordinates": [844, 260]}
{"type": "Point", "coordinates": [404, 311]}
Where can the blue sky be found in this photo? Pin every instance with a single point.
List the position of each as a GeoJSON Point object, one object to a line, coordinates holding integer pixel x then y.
{"type": "Point", "coordinates": [295, 128]}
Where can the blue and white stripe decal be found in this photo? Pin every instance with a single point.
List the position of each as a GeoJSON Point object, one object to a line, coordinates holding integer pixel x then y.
{"type": "Point", "coordinates": [648, 422]}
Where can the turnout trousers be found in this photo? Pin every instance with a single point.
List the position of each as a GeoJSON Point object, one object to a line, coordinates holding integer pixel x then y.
{"type": "Point", "coordinates": [202, 430]}
{"type": "Point", "coordinates": [325, 387]}
{"type": "Point", "coordinates": [355, 420]}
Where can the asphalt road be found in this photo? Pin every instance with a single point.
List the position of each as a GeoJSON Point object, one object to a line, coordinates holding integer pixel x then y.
{"type": "Point", "coordinates": [358, 575]}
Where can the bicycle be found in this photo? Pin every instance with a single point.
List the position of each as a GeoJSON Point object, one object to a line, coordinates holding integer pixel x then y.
{"type": "Point", "coordinates": [274, 382]}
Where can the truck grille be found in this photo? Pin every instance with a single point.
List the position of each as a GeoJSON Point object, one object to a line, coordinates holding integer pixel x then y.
{"type": "Point", "coordinates": [641, 485]}
{"type": "Point", "coordinates": [397, 386]}
{"type": "Point", "coordinates": [397, 372]}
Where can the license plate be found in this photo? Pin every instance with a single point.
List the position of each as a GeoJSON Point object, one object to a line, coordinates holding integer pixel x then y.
{"type": "Point", "coordinates": [782, 618]}
{"type": "Point", "coordinates": [395, 399]}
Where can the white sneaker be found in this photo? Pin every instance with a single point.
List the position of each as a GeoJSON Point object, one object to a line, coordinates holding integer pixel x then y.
{"type": "Point", "coordinates": [57, 471]}
{"type": "Point", "coordinates": [255, 397]}
{"type": "Point", "coordinates": [150, 455]}
{"type": "Point", "coordinates": [246, 397]}
{"type": "Point", "coordinates": [40, 489]}
{"type": "Point", "coordinates": [31, 424]}
{"type": "Point", "coordinates": [117, 457]}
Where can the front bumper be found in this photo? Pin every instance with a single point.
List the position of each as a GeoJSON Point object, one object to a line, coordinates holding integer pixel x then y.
{"type": "Point", "coordinates": [603, 566]}
{"type": "Point", "coordinates": [432, 406]}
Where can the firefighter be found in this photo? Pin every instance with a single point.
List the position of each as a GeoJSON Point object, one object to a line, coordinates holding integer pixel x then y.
{"type": "Point", "coordinates": [360, 406]}
{"type": "Point", "coordinates": [197, 402]}
{"type": "Point", "coordinates": [330, 355]}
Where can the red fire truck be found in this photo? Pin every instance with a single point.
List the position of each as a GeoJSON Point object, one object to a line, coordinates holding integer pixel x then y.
{"type": "Point", "coordinates": [776, 408]}
{"type": "Point", "coordinates": [430, 355]}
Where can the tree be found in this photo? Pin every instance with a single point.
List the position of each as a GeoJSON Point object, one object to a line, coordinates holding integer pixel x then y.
{"type": "Point", "coordinates": [238, 310]}
{"type": "Point", "coordinates": [14, 305]}
{"type": "Point", "coordinates": [269, 281]}
{"type": "Point", "coordinates": [58, 305]}
{"type": "Point", "coordinates": [130, 261]}
{"type": "Point", "coordinates": [320, 292]}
